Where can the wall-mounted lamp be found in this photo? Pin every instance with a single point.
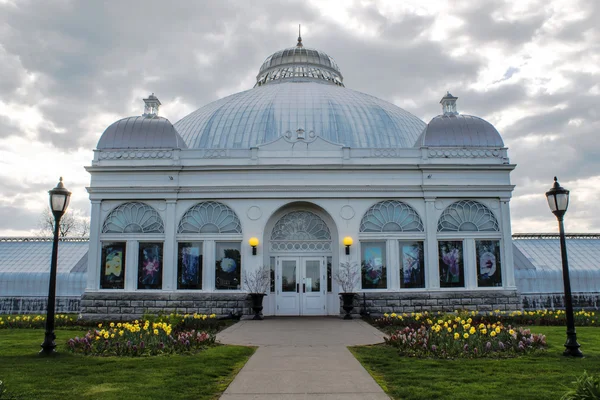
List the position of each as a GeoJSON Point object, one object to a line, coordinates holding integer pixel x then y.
{"type": "Point", "coordinates": [348, 242]}
{"type": "Point", "coordinates": [253, 242]}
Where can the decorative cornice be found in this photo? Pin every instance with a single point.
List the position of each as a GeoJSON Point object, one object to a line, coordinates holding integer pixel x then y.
{"type": "Point", "coordinates": [135, 154]}
{"type": "Point", "coordinates": [555, 236]}
{"type": "Point", "coordinates": [465, 153]}
{"type": "Point", "coordinates": [300, 188]}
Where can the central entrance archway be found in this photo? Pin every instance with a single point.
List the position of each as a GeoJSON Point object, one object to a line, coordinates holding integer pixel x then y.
{"type": "Point", "coordinates": [301, 245]}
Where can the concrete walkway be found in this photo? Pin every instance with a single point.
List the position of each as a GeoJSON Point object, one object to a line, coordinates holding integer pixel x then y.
{"type": "Point", "coordinates": [302, 358]}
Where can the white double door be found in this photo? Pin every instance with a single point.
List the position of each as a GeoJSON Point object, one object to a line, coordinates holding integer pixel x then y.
{"type": "Point", "coordinates": [301, 286]}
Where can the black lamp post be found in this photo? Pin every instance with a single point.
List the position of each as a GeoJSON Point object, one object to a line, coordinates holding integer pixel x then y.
{"type": "Point", "coordinates": [59, 201]}
{"type": "Point", "coordinates": [558, 200]}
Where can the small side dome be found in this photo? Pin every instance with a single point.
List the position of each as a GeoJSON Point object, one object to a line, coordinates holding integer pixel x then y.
{"type": "Point", "coordinates": [452, 129]}
{"type": "Point", "coordinates": [146, 132]}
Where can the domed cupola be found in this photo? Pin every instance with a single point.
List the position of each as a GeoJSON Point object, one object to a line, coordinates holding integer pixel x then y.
{"type": "Point", "coordinates": [452, 129]}
{"type": "Point", "coordinates": [146, 132]}
{"type": "Point", "coordinates": [299, 63]}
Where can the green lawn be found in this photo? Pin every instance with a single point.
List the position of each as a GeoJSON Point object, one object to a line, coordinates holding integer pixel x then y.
{"type": "Point", "coordinates": [542, 376]}
{"type": "Point", "coordinates": [67, 376]}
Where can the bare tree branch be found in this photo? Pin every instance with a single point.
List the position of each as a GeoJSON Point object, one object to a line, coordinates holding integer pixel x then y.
{"type": "Point", "coordinates": [69, 225]}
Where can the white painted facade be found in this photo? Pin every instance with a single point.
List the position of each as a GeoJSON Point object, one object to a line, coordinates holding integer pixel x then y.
{"type": "Point", "coordinates": [337, 183]}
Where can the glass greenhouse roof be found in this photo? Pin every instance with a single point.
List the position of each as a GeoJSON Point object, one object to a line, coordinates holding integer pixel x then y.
{"type": "Point", "coordinates": [538, 265]}
{"type": "Point", "coordinates": [25, 266]}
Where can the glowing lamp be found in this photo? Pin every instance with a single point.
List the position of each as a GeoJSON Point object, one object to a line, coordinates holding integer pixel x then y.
{"type": "Point", "coordinates": [253, 242]}
{"type": "Point", "coordinates": [348, 242]}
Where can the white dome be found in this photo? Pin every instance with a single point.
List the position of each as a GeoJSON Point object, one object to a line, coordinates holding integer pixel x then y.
{"type": "Point", "coordinates": [265, 113]}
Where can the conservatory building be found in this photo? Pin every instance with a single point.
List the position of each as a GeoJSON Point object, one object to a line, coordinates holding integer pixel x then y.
{"type": "Point", "coordinates": [299, 175]}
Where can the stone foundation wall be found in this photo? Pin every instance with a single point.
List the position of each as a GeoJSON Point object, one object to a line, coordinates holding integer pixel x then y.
{"type": "Point", "coordinates": [407, 302]}
{"type": "Point", "coordinates": [37, 305]}
{"type": "Point", "coordinates": [127, 306]}
{"type": "Point", "coordinates": [552, 301]}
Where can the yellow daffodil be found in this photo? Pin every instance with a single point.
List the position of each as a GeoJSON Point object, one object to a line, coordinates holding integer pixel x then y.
{"type": "Point", "coordinates": [472, 330]}
{"type": "Point", "coordinates": [466, 335]}
{"type": "Point", "coordinates": [456, 336]}
{"type": "Point", "coordinates": [493, 333]}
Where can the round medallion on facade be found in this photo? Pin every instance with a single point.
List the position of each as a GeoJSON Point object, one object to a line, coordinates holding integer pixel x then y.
{"type": "Point", "coordinates": [254, 213]}
{"type": "Point", "coordinates": [347, 212]}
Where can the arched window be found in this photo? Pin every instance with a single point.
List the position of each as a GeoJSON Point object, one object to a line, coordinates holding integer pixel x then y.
{"type": "Point", "coordinates": [300, 231]}
{"type": "Point", "coordinates": [134, 217]}
{"type": "Point", "coordinates": [391, 216]}
{"type": "Point", "coordinates": [210, 217]}
{"type": "Point", "coordinates": [467, 216]}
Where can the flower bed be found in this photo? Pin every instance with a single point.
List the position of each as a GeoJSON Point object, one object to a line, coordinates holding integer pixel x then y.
{"type": "Point", "coordinates": [139, 338]}
{"type": "Point", "coordinates": [453, 337]}
{"type": "Point", "coordinates": [36, 321]}
{"type": "Point", "coordinates": [515, 318]}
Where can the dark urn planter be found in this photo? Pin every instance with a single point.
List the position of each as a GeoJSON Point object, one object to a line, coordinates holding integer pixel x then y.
{"type": "Point", "coordinates": [348, 303]}
{"type": "Point", "coordinates": [257, 305]}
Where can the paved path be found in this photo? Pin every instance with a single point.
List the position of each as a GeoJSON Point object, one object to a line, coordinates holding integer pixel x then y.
{"type": "Point", "coordinates": [302, 358]}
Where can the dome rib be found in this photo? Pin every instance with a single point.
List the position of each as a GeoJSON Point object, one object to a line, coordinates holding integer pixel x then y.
{"type": "Point", "coordinates": [265, 113]}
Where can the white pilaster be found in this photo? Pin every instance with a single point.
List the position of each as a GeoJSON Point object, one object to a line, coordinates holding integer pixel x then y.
{"type": "Point", "coordinates": [508, 261]}
{"type": "Point", "coordinates": [432, 272]}
{"type": "Point", "coordinates": [93, 271]}
{"type": "Point", "coordinates": [170, 248]}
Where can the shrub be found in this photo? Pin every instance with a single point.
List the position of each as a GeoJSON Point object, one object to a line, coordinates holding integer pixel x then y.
{"type": "Point", "coordinates": [453, 337]}
{"type": "Point", "coordinates": [587, 387]}
{"type": "Point", "coordinates": [139, 338]}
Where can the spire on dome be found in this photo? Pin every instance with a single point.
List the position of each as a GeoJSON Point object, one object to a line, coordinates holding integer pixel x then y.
{"type": "Point", "coordinates": [151, 107]}
{"type": "Point", "coordinates": [299, 44]}
{"type": "Point", "coordinates": [448, 103]}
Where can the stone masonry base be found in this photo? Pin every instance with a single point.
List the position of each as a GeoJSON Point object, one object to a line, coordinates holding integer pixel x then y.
{"type": "Point", "coordinates": [407, 302]}
{"type": "Point", "coordinates": [126, 306]}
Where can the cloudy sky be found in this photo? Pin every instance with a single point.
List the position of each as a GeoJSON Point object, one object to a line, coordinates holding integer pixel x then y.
{"type": "Point", "coordinates": [70, 68]}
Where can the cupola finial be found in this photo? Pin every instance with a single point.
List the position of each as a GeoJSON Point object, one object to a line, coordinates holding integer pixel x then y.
{"type": "Point", "coordinates": [151, 107]}
{"type": "Point", "coordinates": [299, 38]}
{"type": "Point", "coordinates": [448, 103]}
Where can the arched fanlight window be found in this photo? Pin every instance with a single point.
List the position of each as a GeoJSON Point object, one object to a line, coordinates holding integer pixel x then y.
{"type": "Point", "coordinates": [300, 231]}
{"type": "Point", "coordinates": [300, 225]}
{"type": "Point", "coordinates": [210, 217]}
{"type": "Point", "coordinates": [391, 216]}
{"type": "Point", "coordinates": [134, 217]}
{"type": "Point", "coordinates": [467, 216]}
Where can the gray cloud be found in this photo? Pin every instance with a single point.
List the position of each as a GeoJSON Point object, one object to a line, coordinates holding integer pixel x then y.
{"type": "Point", "coordinates": [92, 58]}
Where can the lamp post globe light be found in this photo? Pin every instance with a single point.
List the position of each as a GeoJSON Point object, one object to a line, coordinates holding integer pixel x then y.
{"type": "Point", "coordinates": [59, 201]}
{"type": "Point", "coordinates": [558, 200]}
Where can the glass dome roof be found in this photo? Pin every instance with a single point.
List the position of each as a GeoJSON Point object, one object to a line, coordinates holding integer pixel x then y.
{"type": "Point", "coordinates": [265, 113]}
{"type": "Point", "coordinates": [299, 63]}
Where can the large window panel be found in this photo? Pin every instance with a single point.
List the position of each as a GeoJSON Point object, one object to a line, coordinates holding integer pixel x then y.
{"type": "Point", "coordinates": [373, 265]}
{"type": "Point", "coordinates": [487, 253]}
{"type": "Point", "coordinates": [228, 264]}
{"type": "Point", "coordinates": [150, 265]}
{"type": "Point", "coordinates": [452, 271]}
{"type": "Point", "coordinates": [112, 269]}
{"type": "Point", "coordinates": [189, 265]}
{"type": "Point", "coordinates": [412, 265]}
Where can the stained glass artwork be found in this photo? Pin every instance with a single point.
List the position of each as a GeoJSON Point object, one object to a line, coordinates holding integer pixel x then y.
{"type": "Point", "coordinates": [489, 272]}
{"type": "Point", "coordinates": [189, 265]}
{"type": "Point", "coordinates": [467, 216]}
{"type": "Point", "coordinates": [391, 216]}
{"type": "Point", "coordinates": [412, 265]}
{"type": "Point", "coordinates": [112, 274]}
{"type": "Point", "coordinates": [452, 273]}
{"type": "Point", "coordinates": [373, 265]}
{"type": "Point", "coordinates": [134, 217]}
{"type": "Point", "coordinates": [228, 265]}
{"type": "Point", "coordinates": [150, 265]}
{"type": "Point", "coordinates": [210, 217]}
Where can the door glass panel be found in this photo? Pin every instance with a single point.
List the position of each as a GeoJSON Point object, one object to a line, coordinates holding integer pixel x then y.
{"type": "Point", "coordinates": [288, 276]}
{"type": "Point", "coordinates": [313, 278]}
